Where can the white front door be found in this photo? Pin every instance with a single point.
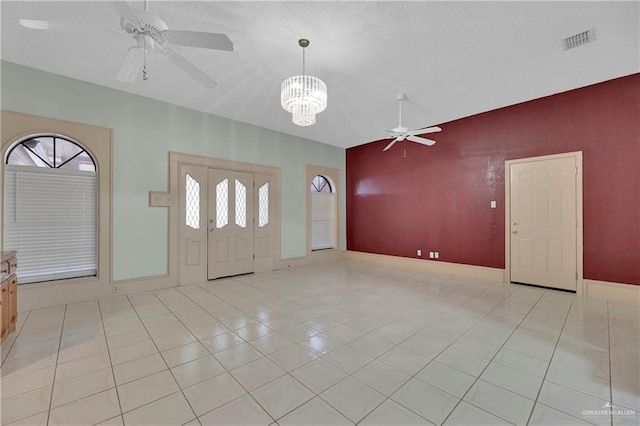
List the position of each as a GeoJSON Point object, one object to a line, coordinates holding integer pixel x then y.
{"type": "Point", "coordinates": [543, 222]}
{"type": "Point", "coordinates": [229, 223]}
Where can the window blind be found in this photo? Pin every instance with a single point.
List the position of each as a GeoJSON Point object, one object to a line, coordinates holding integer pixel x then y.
{"type": "Point", "coordinates": [50, 219]}
{"type": "Point", "coordinates": [322, 220]}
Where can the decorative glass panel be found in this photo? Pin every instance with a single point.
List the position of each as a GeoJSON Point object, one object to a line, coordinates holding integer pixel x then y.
{"type": "Point", "coordinates": [241, 204]}
{"type": "Point", "coordinates": [263, 205]}
{"type": "Point", "coordinates": [51, 152]}
{"type": "Point", "coordinates": [320, 184]}
{"type": "Point", "coordinates": [222, 203]}
{"type": "Point", "coordinates": [193, 203]}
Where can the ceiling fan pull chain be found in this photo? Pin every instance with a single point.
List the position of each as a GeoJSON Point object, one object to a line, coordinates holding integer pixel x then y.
{"type": "Point", "coordinates": [144, 66]}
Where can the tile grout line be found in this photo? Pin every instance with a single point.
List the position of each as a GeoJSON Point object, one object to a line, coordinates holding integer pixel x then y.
{"type": "Point", "coordinates": [169, 368]}
{"type": "Point", "coordinates": [55, 370]}
{"type": "Point", "coordinates": [287, 373]}
{"type": "Point", "coordinates": [113, 374]}
{"type": "Point", "coordinates": [387, 397]}
{"type": "Point", "coordinates": [225, 368]}
{"type": "Point", "coordinates": [430, 361]}
{"type": "Point", "coordinates": [16, 338]}
{"type": "Point", "coordinates": [461, 399]}
{"type": "Point", "coordinates": [566, 317]}
{"type": "Point", "coordinates": [159, 353]}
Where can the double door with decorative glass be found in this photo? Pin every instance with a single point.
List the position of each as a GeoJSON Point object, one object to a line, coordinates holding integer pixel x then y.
{"type": "Point", "coordinates": [236, 236]}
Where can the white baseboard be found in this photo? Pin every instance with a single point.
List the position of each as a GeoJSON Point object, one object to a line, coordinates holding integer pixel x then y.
{"type": "Point", "coordinates": [320, 256]}
{"type": "Point", "coordinates": [34, 296]}
{"type": "Point", "coordinates": [38, 296]}
{"type": "Point", "coordinates": [483, 272]}
{"type": "Point", "coordinates": [611, 291]}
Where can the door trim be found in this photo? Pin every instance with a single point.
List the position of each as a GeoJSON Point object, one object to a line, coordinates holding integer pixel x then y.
{"type": "Point", "coordinates": [577, 155]}
{"type": "Point", "coordinates": [176, 159]}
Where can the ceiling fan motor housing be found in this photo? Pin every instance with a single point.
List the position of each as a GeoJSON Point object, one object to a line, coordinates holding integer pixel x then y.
{"type": "Point", "coordinates": [149, 25]}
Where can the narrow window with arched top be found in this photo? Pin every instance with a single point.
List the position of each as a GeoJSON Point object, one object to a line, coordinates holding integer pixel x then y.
{"type": "Point", "coordinates": [322, 214]}
{"type": "Point", "coordinates": [50, 208]}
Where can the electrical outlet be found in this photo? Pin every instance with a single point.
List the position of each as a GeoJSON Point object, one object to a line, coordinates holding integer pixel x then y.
{"type": "Point", "coordinates": [436, 255]}
{"type": "Point", "coordinates": [430, 255]}
{"type": "Point", "coordinates": [419, 252]}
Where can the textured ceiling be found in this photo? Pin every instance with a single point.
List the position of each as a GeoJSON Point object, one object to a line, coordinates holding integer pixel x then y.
{"type": "Point", "coordinates": [452, 59]}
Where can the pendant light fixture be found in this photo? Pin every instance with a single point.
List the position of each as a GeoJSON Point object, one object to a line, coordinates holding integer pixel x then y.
{"type": "Point", "coordinates": [303, 96]}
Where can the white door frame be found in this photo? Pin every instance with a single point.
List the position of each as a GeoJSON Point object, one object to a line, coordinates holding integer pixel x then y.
{"type": "Point", "coordinates": [507, 214]}
{"type": "Point", "coordinates": [176, 159]}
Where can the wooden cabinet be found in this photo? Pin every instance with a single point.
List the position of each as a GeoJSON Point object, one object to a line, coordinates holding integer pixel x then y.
{"type": "Point", "coordinates": [8, 295]}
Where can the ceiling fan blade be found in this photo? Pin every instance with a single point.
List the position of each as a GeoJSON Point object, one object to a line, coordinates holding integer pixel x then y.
{"type": "Point", "coordinates": [126, 11]}
{"type": "Point", "coordinates": [420, 140]}
{"type": "Point", "coordinates": [390, 144]}
{"type": "Point", "coordinates": [424, 130]}
{"type": "Point", "coordinates": [131, 64]}
{"type": "Point", "coordinates": [199, 39]}
{"type": "Point", "coordinates": [63, 26]}
{"type": "Point", "coordinates": [191, 70]}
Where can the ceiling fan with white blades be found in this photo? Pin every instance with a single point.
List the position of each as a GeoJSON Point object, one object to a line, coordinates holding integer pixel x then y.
{"type": "Point", "coordinates": [150, 33]}
{"type": "Point", "coordinates": [401, 132]}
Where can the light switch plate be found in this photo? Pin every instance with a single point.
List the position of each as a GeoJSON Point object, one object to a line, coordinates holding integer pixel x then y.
{"type": "Point", "coordinates": [493, 204]}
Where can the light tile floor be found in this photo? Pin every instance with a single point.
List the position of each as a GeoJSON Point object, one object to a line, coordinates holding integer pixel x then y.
{"type": "Point", "coordinates": [341, 343]}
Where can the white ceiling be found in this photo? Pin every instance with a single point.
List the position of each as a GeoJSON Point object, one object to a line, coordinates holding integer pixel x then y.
{"type": "Point", "coordinates": [452, 59]}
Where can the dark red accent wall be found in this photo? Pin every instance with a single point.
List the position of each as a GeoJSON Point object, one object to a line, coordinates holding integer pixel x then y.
{"type": "Point", "coordinates": [438, 198]}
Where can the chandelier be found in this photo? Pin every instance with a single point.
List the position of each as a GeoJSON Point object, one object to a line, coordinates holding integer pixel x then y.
{"type": "Point", "coordinates": [303, 96]}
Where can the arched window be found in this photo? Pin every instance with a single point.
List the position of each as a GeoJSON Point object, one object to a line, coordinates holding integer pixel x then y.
{"type": "Point", "coordinates": [323, 216]}
{"type": "Point", "coordinates": [321, 184]}
{"type": "Point", "coordinates": [50, 208]}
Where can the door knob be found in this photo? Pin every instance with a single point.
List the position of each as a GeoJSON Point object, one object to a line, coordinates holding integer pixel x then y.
{"type": "Point", "coordinates": [211, 229]}
{"type": "Point", "coordinates": [514, 231]}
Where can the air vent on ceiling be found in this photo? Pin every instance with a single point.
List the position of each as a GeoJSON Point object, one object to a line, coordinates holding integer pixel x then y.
{"type": "Point", "coordinates": [579, 39]}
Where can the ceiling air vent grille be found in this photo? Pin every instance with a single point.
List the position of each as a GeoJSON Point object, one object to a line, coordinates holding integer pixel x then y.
{"type": "Point", "coordinates": [579, 39]}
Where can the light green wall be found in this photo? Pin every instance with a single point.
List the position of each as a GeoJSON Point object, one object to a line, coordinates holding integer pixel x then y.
{"type": "Point", "coordinates": [144, 130]}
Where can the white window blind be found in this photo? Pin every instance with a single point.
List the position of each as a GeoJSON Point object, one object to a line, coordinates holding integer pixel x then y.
{"type": "Point", "coordinates": [322, 220]}
{"type": "Point", "coordinates": [50, 219]}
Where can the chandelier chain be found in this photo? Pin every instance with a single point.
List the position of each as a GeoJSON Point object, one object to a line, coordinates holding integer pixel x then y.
{"type": "Point", "coordinates": [303, 61]}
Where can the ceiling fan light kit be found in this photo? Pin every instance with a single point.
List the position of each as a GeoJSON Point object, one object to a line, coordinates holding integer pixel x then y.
{"type": "Point", "coordinates": [303, 96]}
